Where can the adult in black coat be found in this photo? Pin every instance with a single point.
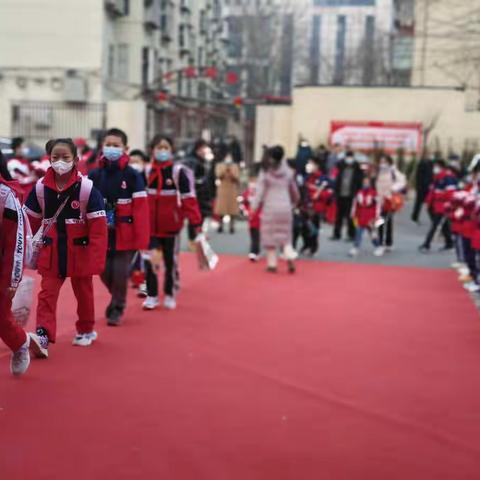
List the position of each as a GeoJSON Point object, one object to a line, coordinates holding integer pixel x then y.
{"type": "Point", "coordinates": [423, 180]}
{"type": "Point", "coordinates": [348, 183]}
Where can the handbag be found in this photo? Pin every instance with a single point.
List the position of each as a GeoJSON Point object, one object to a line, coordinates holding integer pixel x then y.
{"type": "Point", "coordinates": [35, 242]}
{"type": "Point", "coordinates": [207, 258]}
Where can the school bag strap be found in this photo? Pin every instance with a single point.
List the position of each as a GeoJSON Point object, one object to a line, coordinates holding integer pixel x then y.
{"type": "Point", "coordinates": [4, 194]}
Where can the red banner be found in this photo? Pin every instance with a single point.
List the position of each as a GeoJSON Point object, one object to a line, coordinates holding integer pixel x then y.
{"type": "Point", "coordinates": [369, 136]}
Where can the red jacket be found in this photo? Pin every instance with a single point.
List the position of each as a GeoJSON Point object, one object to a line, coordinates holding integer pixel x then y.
{"type": "Point", "coordinates": [76, 245]}
{"type": "Point", "coordinates": [253, 216]}
{"type": "Point", "coordinates": [365, 208]}
{"type": "Point", "coordinates": [171, 198]}
{"type": "Point", "coordinates": [441, 191]}
{"type": "Point", "coordinates": [123, 190]}
{"type": "Point", "coordinates": [321, 191]}
{"type": "Point", "coordinates": [12, 236]}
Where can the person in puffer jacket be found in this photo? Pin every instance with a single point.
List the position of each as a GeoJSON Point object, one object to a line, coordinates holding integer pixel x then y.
{"type": "Point", "coordinates": [365, 213]}
{"type": "Point", "coordinates": [444, 184]}
{"type": "Point", "coordinates": [12, 253]}
{"type": "Point", "coordinates": [172, 199]}
{"type": "Point", "coordinates": [123, 189]}
{"type": "Point", "coordinates": [72, 214]}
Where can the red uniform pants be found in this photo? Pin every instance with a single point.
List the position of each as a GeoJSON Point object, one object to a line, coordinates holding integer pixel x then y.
{"type": "Point", "coordinates": [13, 335]}
{"type": "Point", "coordinates": [47, 304]}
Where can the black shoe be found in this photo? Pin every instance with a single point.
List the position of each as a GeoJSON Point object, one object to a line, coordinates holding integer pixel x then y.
{"type": "Point", "coordinates": [272, 269]}
{"type": "Point", "coordinates": [108, 310]}
{"type": "Point", "coordinates": [220, 229]}
{"type": "Point", "coordinates": [232, 230]}
{"type": "Point", "coordinates": [424, 249]}
{"type": "Point", "coordinates": [446, 248]}
{"type": "Point", "coordinates": [115, 318]}
{"type": "Point", "coordinates": [291, 266]}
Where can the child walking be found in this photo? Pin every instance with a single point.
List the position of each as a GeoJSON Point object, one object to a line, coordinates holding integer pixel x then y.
{"type": "Point", "coordinates": [365, 214]}
{"type": "Point", "coordinates": [253, 219]}
{"type": "Point", "coordinates": [123, 189]}
{"type": "Point", "coordinates": [171, 197]}
{"type": "Point", "coordinates": [72, 214]}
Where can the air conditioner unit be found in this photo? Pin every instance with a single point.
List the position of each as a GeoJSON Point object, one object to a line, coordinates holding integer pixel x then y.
{"type": "Point", "coordinates": [75, 89]}
{"type": "Point", "coordinates": [116, 8]}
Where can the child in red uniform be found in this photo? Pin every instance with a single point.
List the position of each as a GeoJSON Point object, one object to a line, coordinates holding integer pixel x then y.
{"type": "Point", "coordinates": [123, 189]}
{"type": "Point", "coordinates": [72, 213]}
{"type": "Point", "coordinates": [12, 248]}
{"type": "Point", "coordinates": [171, 197]}
{"type": "Point", "coordinates": [253, 219]}
{"type": "Point", "coordinates": [365, 212]}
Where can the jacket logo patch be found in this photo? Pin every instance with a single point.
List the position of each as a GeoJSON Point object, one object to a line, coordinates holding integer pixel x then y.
{"type": "Point", "coordinates": [124, 185]}
{"type": "Point", "coordinates": [75, 204]}
{"type": "Point", "coordinates": [169, 182]}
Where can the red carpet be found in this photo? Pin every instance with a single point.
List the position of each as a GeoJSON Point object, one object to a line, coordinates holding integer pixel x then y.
{"type": "Point", "coordinates": [341, 372]}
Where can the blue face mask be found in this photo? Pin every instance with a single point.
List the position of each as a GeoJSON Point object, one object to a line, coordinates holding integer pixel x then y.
{"type": "Point", "coordinates": [163, 155]}
{"type": "Point", "coordinates": [112, 153]}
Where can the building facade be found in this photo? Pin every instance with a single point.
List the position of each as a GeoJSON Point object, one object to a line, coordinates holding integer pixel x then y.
{"type": "Point", "coordinates": [111, 62]}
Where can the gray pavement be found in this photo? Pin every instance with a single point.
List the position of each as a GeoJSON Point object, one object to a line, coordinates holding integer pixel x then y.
{"type": "Point", "coordinates": [408, 236]}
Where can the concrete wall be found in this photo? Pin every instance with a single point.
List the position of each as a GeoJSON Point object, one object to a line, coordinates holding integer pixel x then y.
{"type": "Point", "coordinates": [313, 108]}
{"type": "Point", "coordinates": [130, 116]}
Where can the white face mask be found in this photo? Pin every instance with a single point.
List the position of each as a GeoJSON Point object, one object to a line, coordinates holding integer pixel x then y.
{"type": "Point", "coordinates": [61, 167]}
{"type": "Point", "coordinates": [349, 160]}
{"type": "Point", "coordinates": [138, 167]}
{"type": "Point", "coordinates": [309, 168]}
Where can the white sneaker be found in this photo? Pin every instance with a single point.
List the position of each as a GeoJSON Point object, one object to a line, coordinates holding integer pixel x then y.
{"type": "Point", "coordinates": [84, 339]}
{"type": "Point", "coordinates": [472, 287]}
{"type": "Point", "coordinates": [151, 303]}
{"type": "Point", "coordinates": [353, 252]}
{"type": "Point", "coordinates": [457, 265]}
{"type": "Point", "coordinates": [253, 257]}
{"type": "Point", "coordinates": [142, 291]}
{"type": "Point", "coordinates": [170, 303]}
{"type": "Point", "coordinates": [463, 271]}
{"type": "Point", "coordinates": [21, 359]}
{"type": "Point", "coordinates": [379, 251]}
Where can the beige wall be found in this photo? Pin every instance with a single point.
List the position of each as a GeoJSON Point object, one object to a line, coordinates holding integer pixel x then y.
{"type": "Point", "coordinates": [130, 116]}
{"type": "Point", "coordinates": [313, 108]}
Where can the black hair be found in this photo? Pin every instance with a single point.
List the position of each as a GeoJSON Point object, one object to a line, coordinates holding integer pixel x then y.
{"type": "Point", "coordinates": [349, 153]}
{"type": "Point", "coordinates": [274, 156]}
{"type": "Point", "coordinates": [116, 132]}
{"type": "Point", "coordinates": [440, 162]}
{"type": "Point", "coordinates": [64, 141]}
{"type": "Point", "coordinates": [3, 168]}
{"type": "Point", "coordinates": [139, 153]}
{"type": "Point", "coordinates": [387, 158]}
{"type": "Point", "coordinates": [158, 138]}
{"type": "Point", "coordinates": [16, 142]}
{"type": "Point", "coordinates": [200, 143]}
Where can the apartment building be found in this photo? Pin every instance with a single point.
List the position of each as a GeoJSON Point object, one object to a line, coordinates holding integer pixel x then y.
{"type": "Point", "coordinates": [72, 68]}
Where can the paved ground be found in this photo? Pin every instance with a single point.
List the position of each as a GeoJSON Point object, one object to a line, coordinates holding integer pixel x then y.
{"type": "Point", "coordinates": [408, 236]}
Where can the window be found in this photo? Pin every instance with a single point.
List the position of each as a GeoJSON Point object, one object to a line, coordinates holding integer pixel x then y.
{"type": "Point", "coordinates": [340, 50]}
{"type": "Point", "coordinates": [344, 3]}
{"type": "Point", "coordinates": [369, 63]}
{"type": "Point", "coordinates": [111, 61]}
{"type": "Point", "coordinates": [315, 49]}
{"type": "Point", "coordinates": [122, 73]}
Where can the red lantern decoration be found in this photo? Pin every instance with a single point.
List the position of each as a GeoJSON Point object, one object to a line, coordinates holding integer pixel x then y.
{"type": "Point", "coordinates": [168, 76]}
{"type": "Point", "coordinates": [161, 97]}
{"type": "Point", "coordinates": [190, 72]}
{"type": "Point", "coordinates": [238, 102]}
{"type": "Point", "coordinates": [211, 72]}
{"type": "Point", "coordinates": [231, 78]}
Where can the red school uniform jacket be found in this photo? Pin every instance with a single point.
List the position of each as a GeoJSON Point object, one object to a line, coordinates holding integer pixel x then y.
{"type": "Point", "coordinates": [441, 191]}
{"type": "Point", "coordinates": [76, 244]}
{"type": "Point", "coordinates": [253, 216]}
{"type": "Point", "coordinates": [171, 198]}
{"type": "Point", "coordinates": [365, 207]}
{"type": "Point", "coordinates": [123, 190]}
{"type": "Point", "coordinates": [321, 191]}
{"type": "Point", "coordinates": [12, 235]}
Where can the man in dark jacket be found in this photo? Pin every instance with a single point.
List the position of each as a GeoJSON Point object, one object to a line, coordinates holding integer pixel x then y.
{"type": "Point", "coordinates": [423, 180]}
{"type": "Point", "coordinates": [200, 163]}
{"type": "Point", "coordinates": [348, 183]}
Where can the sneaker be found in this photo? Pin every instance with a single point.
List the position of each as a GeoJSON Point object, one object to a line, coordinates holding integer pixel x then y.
{"type": "Point", "coordinates": [456, 265]}
{"type": "Point", "coordinates": [253, 257]}
{"type": "Point", "coordinates": [84, 339]}
{"type": "Point", "coordinates": [463, 270]}
{"type": "Point", "coordinates": [115, 318]}
{"type": "Point", "coordinates": [465, 278]}
{"type": "Point", "coordinates": [423, 249]}
{"type": "Point", "coordinates": [39, 344]}
{"type": "Point", "coordinates": [142, 291]}
{"type": "Point", "coordinates": [353, 252]}
{"type": "Point", "coordinates": [379, 251]}
{"type": "Point", "coordinates": [20, 359]}
{"type": "Point", "coordinates": [291, 266]}
{"type": "Point", "coordinates": [272, 269]}
{"type": "Point", "coordinates": [170, 303]}
{"type": "Point", "coordinates": [472, 287]}
{"type": "Point", "coordinates": [389, 249]}
{"type": "Point", "coordinates": [151, 303]}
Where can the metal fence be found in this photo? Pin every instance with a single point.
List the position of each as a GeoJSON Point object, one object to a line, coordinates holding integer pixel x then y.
{"type": "Point", "coordinates": [43, 120]}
